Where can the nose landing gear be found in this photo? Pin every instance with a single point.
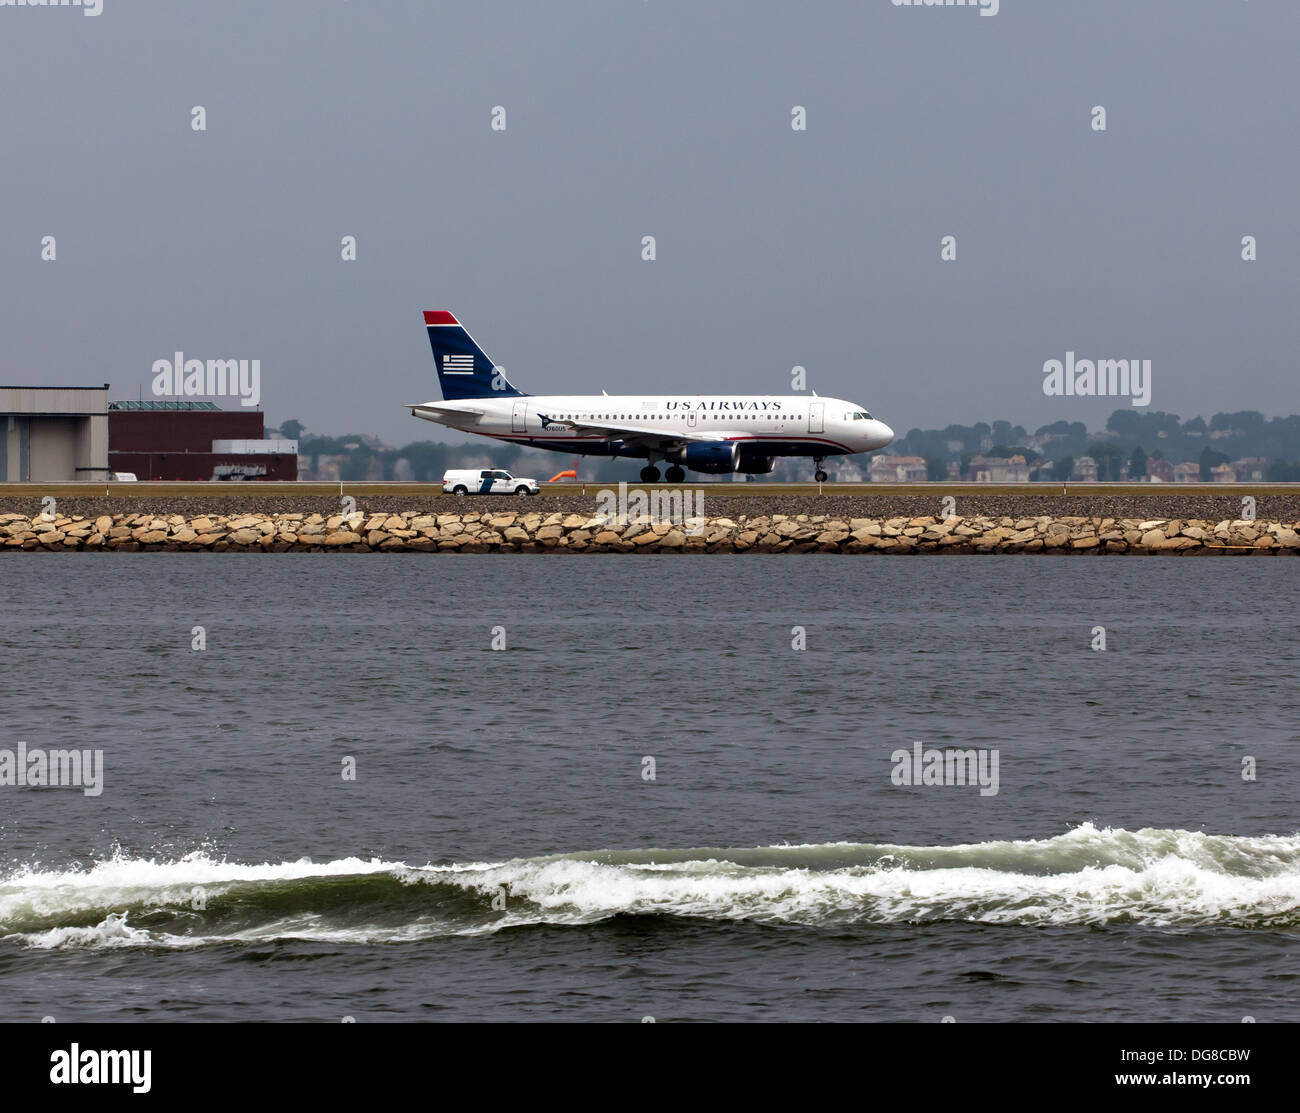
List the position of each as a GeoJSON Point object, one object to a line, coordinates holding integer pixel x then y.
{"type": "Point", "coordinates": [820, 475]}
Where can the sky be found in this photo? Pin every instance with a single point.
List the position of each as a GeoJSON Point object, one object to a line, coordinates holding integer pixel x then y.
{"type": "Point", "coordinates": [774, 247]}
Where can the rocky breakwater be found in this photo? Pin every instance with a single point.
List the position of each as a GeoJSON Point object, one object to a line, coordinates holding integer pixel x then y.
{"type": "Point", "coordinates": [579, 533]}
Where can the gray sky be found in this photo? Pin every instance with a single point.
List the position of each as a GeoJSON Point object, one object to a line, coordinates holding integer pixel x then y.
{"type": "Point", "coordinates": [649, 117]}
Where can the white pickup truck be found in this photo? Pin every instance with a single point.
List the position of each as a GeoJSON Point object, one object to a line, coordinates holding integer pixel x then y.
{"type": "Point", "coordinates": [488, 481]}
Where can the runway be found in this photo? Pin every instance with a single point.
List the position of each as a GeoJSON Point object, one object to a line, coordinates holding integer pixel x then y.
{"type": "Point", "coordinates": [729, 490]}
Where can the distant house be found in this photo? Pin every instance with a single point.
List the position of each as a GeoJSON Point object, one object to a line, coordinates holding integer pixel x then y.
{"type": "Point", "coordinates": [1042, 472]}
{"type": "Point", "coordinates": [1188, 472]}
{"type": "Point", "coordinates": [328, 468]}
{"type": "Point", "coordinates": [995, 469]}
{"type": "Point", "coordinates": [1159, 470]}
{"type": "Point", "coordinates": [1085, 470]}
{"type": "Point", "coordinates": [1250, 469]}
{"type": "Point", "coordinates": [898, 469]}
{"type": "Point", "coordinates": [1223, 473]}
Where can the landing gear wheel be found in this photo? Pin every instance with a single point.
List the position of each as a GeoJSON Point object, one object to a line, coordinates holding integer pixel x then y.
{"type": "Point", "coordinates": [675, 474]}
{"type": "Point", "coordinates": [650, 474]}
{"type": "Point", "coordinates": [821, 476]}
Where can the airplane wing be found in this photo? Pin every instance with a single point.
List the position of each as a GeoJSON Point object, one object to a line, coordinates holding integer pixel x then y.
{"type": "Point", "coordinates": [632, 434]}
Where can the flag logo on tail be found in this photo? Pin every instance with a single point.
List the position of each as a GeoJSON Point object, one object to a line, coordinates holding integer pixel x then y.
{"type": "Point", "coordinates": [458, 364]}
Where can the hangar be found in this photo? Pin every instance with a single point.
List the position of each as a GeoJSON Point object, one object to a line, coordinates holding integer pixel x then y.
{"type": "Point", "coordinates": [53, 434]}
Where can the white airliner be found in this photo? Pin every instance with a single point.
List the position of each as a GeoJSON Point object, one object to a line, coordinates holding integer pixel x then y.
{"type": "Point", "coordinates": [713, 433]}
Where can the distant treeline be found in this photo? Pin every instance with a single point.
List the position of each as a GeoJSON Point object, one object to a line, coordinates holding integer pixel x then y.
{"type": "Point", "coordinates": [425, 461]}
{"type": "Point", "coordinates": [1131, 437]}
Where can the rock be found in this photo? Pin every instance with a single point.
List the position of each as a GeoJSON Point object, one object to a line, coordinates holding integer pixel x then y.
{"type": "Point", "coordinates": [342, 537]}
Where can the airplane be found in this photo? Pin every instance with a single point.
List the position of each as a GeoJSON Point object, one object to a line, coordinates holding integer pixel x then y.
{"type": "Point", "coordinates": [715, 434]}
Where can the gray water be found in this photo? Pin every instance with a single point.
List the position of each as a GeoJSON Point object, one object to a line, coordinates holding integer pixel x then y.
{"type": "Point", "coordinates": [501, 853]}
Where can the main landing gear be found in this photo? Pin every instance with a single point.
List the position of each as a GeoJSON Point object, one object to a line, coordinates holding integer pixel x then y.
{"type": "Point", "coordinates": [650, 474]}
{"type": "Point", "coordinates": [821, 475]}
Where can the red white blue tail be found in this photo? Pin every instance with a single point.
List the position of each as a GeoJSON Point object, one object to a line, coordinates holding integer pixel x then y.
{"type": "Point", "coordinates": [464, 370]}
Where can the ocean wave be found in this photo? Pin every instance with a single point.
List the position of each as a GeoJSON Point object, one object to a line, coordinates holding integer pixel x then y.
{"type": "Point", "coordinates": [1087, 876]}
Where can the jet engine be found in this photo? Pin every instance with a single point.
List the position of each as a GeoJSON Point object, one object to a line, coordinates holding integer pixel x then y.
{"type": "Point", "coordinates": [711, 457]}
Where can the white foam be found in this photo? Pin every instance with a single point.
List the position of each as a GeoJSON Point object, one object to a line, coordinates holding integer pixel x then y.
{"type": "Point", "coordinates": [1089, 875]}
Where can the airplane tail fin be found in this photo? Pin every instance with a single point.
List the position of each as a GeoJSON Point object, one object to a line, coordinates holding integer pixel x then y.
{"type": "Point", "coordinates": [464, 371]}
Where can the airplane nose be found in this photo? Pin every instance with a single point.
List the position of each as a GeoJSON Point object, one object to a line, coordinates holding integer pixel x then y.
{"type": "Point", "coordinates": [884, 433]}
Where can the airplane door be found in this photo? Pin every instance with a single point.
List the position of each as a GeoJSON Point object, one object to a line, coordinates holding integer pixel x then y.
{"type": "Point", "coordinates": [690, 419]}
{"type": "Point", "coordinates": [520, 417]}
{"type": "Point", "coordinates": [815, 410]}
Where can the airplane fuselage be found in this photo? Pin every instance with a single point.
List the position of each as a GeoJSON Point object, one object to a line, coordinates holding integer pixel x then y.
{"type": "Point", "coordinates": [762, 425]}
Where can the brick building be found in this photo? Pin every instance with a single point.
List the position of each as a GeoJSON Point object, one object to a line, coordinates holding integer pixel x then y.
{"type": "Point", "coordinates": [195, 441]}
